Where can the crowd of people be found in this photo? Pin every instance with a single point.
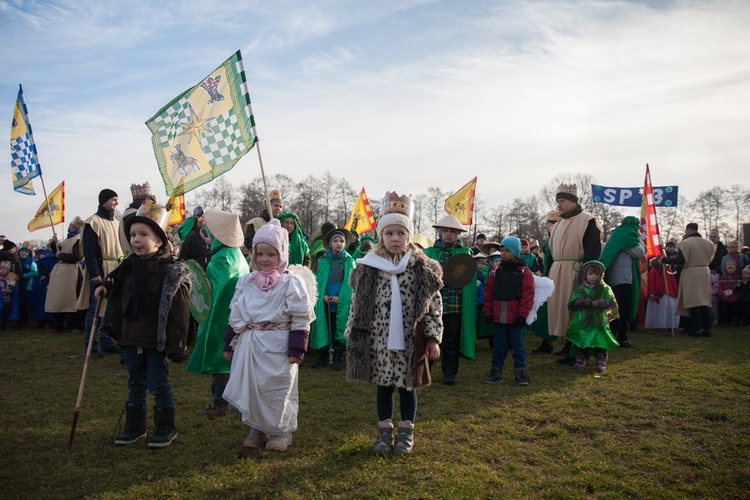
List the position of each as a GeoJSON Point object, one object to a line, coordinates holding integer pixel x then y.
{"type": "Point", "coordinates": [387, 307]}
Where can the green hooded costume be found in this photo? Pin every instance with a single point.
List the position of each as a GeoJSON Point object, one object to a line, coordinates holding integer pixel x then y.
{"type": "Point", "coordinates": [319, 336]}
{"type": "Point", "coordinates": [589, 328]}
{"type": "Point", "coordinates": [226, 266]}
{"type": "Point", "coordinates": [297, 245]}
{"type": "Point", "coordinates": [626, 235]}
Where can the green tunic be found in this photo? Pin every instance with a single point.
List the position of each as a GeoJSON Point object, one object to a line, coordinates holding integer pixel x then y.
{"type": "Point", "coordinates": [223, 270]}
{"type": "Point", "coordinates": [590, 326]}
{"type": "Point", "coordinates": [468, 305]}
{"type": "Point", "coordinates": [319, 336]}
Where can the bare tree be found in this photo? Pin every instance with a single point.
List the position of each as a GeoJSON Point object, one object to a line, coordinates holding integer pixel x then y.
{"type": "Point", "coordinates": [436, 199]}
{"type": "Point", "coordinates": [219, 194]}
{"type": "Point", "coordinates": [740, 200]}
{"type": "Point", "coordinates": [708, 207]}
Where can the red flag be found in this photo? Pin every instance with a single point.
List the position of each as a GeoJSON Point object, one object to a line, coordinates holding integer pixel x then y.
{"type": "Point", "coordinates": [649, 226]}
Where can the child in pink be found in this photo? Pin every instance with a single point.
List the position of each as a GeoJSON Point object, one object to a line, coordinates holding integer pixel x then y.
{"type": "Point", "coordinates": [728, 298]}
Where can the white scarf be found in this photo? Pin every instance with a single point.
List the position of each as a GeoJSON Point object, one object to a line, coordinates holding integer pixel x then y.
{"type": "Point", "coordinates": [396, 321]}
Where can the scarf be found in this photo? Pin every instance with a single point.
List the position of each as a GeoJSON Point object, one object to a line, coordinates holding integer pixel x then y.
{"type": "Point", "coordinates": [265, 279]}
{"type": "Point", "coordinates": [396, 320]}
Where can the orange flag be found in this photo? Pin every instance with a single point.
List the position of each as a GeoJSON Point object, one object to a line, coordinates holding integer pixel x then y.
{"type": "Point", "coordinates": [361, 220]}
{"type": "Point", "coordinates": [176, 207]}
{"type": "Point", "coordinates": [461, 204]}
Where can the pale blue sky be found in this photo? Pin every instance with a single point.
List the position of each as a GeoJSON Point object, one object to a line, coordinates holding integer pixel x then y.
{"type": "Point", "coordinates": [389, 94]}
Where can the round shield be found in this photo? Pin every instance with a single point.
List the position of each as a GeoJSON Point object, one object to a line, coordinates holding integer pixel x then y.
{"type": "Point", "coordinates": [200, 292]}
{"type": "Point", "coordinates": [459, 270]}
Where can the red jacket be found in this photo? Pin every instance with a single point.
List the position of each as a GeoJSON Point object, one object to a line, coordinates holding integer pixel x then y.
{"type": "Point", "coordinates": [509, 292]}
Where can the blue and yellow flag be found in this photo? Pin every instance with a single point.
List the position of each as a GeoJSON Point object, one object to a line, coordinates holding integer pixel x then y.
{"type": "Point", "coordinates": [24, 164]}
{"type": "Point", "coordinates": [205, 130]}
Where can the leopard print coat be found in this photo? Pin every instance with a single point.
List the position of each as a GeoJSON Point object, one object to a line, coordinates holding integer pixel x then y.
{"type": "Point", "coordinates": [368, 358]}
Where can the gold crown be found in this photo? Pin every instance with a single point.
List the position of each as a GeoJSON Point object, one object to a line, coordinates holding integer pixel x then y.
{"type": "Point", "coordinates": [395, 204]}
{"type": "Point", "coordinates": [140, 192]}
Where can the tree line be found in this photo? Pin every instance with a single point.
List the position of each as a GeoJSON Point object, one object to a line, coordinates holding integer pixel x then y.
{"type": "Point", "coordinates": [317, 199]}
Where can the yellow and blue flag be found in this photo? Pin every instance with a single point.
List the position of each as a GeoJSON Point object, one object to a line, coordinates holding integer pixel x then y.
{"type": "Point", "coordinates": [24, 163]}
{"type": "Point", "coordinates": [51, 211]}
{"type": "Point", "coordinates": [203, 132]}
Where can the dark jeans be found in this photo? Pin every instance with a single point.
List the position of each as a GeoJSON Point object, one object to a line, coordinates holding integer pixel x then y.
{"type": "Point", "coordinates": [700, 317]}
{"type": "Point", "coordinates": [407, 400]}
{"type": "Point", "coordinates": [218, 384]}
{"type": "Point", "coordinates": [104, 341]}
{"type": "Point", "coordinates": [451, 345]}
{"type": "Point", "coordinates": [505, 336]}
{"type": "Point", "coordinates": [623, 294]}
{"type": "Point", "coordinates": [148, 370]}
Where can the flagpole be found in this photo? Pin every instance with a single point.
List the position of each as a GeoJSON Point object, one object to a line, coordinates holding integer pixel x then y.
{"type": "Point", "coordinates": [263, 175]}
{"type": "Point", "coordinates": [46, 200]}
{"type": "Point", "coordinates": [663, 268]}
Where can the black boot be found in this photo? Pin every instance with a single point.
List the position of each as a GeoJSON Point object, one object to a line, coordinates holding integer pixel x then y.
{"type": "Point", "coordinates": [135, 424]}
{"type": "Point", "coordinates": [544, 348]}
{"type": "Point", "coordinates": [565, 359]}
{"type": "Point", "coordinates": [337, 355]}
{"type": "Point", "coordinates": [322, 359]}
{"type": "Point", "coordinates": [165, 432]}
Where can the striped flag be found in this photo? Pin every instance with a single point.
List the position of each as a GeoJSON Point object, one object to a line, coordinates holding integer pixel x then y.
{"type": "Point", "coordinates": [56, 203]}
{"type": "Point", "coordinates": [24, 164]}
{"type": "Point", "coordinates": [203, 132]}
{"type": "Point", "coordinates": [461, 203]}
{"type": "Point", "coordinates": [361, 220]}
{"type": "Point", "coordinates": [649, 226]}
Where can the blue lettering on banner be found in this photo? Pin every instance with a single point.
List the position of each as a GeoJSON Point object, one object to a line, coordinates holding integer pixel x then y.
{"type": "Point", "coordinates": [664, 196]}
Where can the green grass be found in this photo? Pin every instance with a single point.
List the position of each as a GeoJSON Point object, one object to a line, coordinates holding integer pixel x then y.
{"type": "Point", "coordinates": [669, 419]}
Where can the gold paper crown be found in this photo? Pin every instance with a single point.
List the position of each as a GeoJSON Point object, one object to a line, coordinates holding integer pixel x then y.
{"type": "Point", "coordinates": [568, 188]}
{"type": "Point", "coordinates": [140, 192]}
{"type": "Point", "coordinates": [395, 204]}
{"type": "Point", "coordinates": [275, 195]}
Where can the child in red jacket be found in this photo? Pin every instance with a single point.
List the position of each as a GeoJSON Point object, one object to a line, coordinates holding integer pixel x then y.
{"type": "Point", "coordinates": [508, 299]}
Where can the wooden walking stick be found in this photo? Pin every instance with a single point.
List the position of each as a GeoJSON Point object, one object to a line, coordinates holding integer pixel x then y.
{"type": "Point", "coordinates": [77, 409]}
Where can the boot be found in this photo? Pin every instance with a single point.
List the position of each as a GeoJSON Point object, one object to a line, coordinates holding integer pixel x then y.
{"type": "Point", "coordinates": [164, 432]}
{"type": "Point", "coordinates": [338, 353]}
{"type": "Point", "coordinates": [404, 438]}
{"type": "Point", "coordinates": [322, 359]}
{"type": "Point", "coordinates": [135, 424]}
{"type": "Point", "coordinates": [565, 352]}
{"type": "Point", "coordinates": [580, 361]}
{"type": "Point", "coordinates": [522, 379]}
{"type": "Point", "coordinates": [496, 375]}
{"type": "Point", "coordinates": [601, 362]}
{"type": "Point", "coordinates": [384, 441]}
{"type": "Point", "coordinates": [544, 348]}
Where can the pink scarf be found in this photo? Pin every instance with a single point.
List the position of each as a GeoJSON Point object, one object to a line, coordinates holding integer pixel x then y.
{"type": "Point", "coordinates": [266, 279]}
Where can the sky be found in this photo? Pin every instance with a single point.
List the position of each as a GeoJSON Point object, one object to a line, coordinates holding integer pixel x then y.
{"type": "Point", "coordinates": [391, 95]}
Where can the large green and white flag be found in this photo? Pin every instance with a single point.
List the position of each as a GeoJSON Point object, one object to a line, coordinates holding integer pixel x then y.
{"type": "Point", "coordinates": [205, 130]}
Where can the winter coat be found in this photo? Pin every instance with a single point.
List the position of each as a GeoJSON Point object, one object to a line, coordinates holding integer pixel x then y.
{"type": "Point", "coordinates": [727, 293]}
{"type": "Point", "coordinates": [695, 254]}
{"type": "Point", "coordinates": [368, 358]}
{"type": "Point", "coordinates": [509, 292]}
{"type": "Point", "coordinates": [161, 325]}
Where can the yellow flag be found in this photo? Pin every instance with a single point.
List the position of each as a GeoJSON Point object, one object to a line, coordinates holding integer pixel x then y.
{"type": "Point", "coordinates": [56, 201]}
{"type": "Point", "coordinates": [461, 204]}
{"type": "Point", "coordinates": [176, 207]}
{"type": "Point", "coordinates": [361, 220]}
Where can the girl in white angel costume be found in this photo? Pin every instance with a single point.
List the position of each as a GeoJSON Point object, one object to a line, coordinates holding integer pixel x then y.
{"type": "Point", "coordinates": [269, 326]}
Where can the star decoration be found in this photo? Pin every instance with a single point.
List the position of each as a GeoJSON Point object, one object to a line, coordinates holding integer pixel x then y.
{"type": "Point", "coordinates": [195, 126]}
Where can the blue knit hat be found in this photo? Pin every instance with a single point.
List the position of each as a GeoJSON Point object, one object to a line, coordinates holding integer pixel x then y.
{"type": "Point", "coordinates": [513, 244]}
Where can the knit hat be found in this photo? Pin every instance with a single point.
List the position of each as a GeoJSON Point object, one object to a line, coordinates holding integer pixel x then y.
{"type": "Point", "coordinates": [225, 227]}
{"type": "Point", "coordinates": [730, 263]}
{"type": "Point", "coordinates": [396, 210]}
{"type": "Point", "coordinates": [513, 244]}
{"type": "Point", "coordinates": [450, 221]}
{"type": "Point", "coordinates": [746, 269]}
{"type": "Point", "coordinates": [275, 196]}
{"type": "Point", "coordinates": [553, 216]}
{"type": "Point", "coordinates": [567, 192]}
{"type": "Point", "coordinates": [348, 237]}
{"type": "Point", "coordinates": [105, 195]}
{"type": "Point", "coordinates": [24, 249]}
{"type": "Point", "coordinates": [276, 236]}
{"type": "Point", "coordinates": [524, 242]}
{"type": "Point", "coordinates": [154, 216]}
{"type": "Point", "coordinates": [141, 192]}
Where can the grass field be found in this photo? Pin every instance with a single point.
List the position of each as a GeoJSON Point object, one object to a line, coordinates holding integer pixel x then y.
{"type": "Point", "coordinates": [669, 419]}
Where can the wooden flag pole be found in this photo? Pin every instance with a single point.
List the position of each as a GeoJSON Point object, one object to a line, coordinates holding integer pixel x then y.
{"type": "Point", "coordinates": [263, 175]}
{"type": "Point", "coordinates": [49, 211]}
